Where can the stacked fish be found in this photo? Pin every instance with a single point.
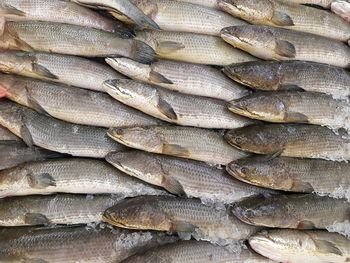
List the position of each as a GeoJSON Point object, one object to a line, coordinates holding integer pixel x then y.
{"type": "Point", "coordinates": [122, 141]}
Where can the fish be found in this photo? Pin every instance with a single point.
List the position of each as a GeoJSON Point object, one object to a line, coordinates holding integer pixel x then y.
{"type": "Point", "coordinates": [292, 140]}
{"type": "Point", "coordinates": [293, 174]}
{"type": "Point", "coordinates": [185, 142]}
{"type": "Point", "coordinates": [183, 177]}
{"type": "Point", "coordinates": [62, 209]}
{"type": "Point", "coordinates": [271, 43]}
{"type": "Point", "coordinates": [55, 135]}
{"type": "Point", "coordinates": [71, 175]}
{"type": "Point", "coordinates": [57, 11]}
{"type": "Point", "coordinates": [174, 107]}
{"type": "Point", "coordinates": [71, 40]}
{"type": "Point", "coordinates": [298, 211]}
{"type": "Point", "coordinates": [295, 246]}
{"type": "Point", "coordinates": [122, 9]}
{"type": "Point", "coordinates": [292, 75]}
{"type": "Point", "coordinates": [17, 152]}
{"type": "Point", "coordinates": [342, 9]}
{"type": "Point", "coordinates": [193, 48]}
{"type": "Point", "coordinates": [186, 17]}
{"type": "Point", "coordinates": [294, 107]}
{"type": "Point", "coordinates": [322, 3]}
{"type": "Point", "coordinates": [187, 78]}
{"type": "Point", "coordinates": [192, 251]}
{"type": "Point", "coordinates": [69, 70]}
{"type": "Point", "coordinates": [7, 136]}
{"type": "Point", "coordinates": [72, 104]}
{"type": "Point", "coordinates": [182, 215]}
{"type": "Point", "coordinates": [65, 243]}
{"type": "Point", "coordinates": [290, 16]}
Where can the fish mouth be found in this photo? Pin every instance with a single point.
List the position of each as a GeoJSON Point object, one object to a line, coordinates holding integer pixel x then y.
{"type": "Point", "coordinates": [116, 134]}
{"type": "Point", "coordinates": [240, 213]}
{"type": "Point", "coordinates": [264, 245]}
{"type": "Point", "coordinates": [237, 107]}
{"type": "Point", "coordinates": [111, 86]}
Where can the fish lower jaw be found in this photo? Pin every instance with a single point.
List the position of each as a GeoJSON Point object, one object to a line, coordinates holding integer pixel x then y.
{"type": "Point", "coordinates": [262, 247]}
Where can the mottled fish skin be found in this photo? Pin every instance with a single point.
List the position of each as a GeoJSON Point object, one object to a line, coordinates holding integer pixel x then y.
{"type": "Point", "coordinates": [187, 78]}
{"type": "Point", "coordinates": [295, 246]}
{"type": "Point", "coordinates": [174, 107]}
{"type": "Point", "coordinates": [55, 11]}
{"type": "Point", "coordinates": [7, 136]}
{"type": "Point", "coordinates": [294, 107]}
{"type": "Point", "coordinates": [70, 175]}
{"type": "Point", "coordinates": [182, 215]}
{"type": "Point", "coordinates": [195, 252]}
{"type": "Point", "coordinates": [122, 9]}
{"type": "Point", "coordinates": [55, 135]}
{"type": "Point", "coordinates": [54, 209]}
{"type": "Point", "coordinates": [293, 174]}
{"type": "Point", "coordinates": [186, 142]}
{"type": "Point", "coordinates": [292, 75]}
{"type": "Point", "coordinates": [186, 17]}
{"type": "Point", "coordinates": [71, 40]}
{"type": "Point", "coordinates": [16, 153]}
{"type": "Point", "coordinates": [290, 16]}
{"type": "Point", "coordinates": [193, 48]}
{"type": "Point", "coordinates": [271, 43]}
{"type": "Point", "coordinates": [75, 244]}
{"type": "Point", "coordinates": [73, 104]}
{"type": "Point", "coordinates": [292, 140]}
{"type": "Point", "coordinates": [70, 70]}
{"type": "Point", "coordinates": [183, 177]}
{"type": "Point", "coordinates": [299, 211]}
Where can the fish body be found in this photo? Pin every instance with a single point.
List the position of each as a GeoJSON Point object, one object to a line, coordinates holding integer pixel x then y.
{"type": "Point", "coordinates": [57, 11]}
{"type": "Point", "coordinates": [323, 3]}
{"type": "Point", "coordinates": [122, 9]}
{"type": "Point", "coordinates": [70, 175]}
{"type": "Point", "coordinates": [187, 216]}
{"type": "Point", "coordinates": [187, 78]}
{"type": "Point", "coordinates": [70, 70]}
{"type": "Point", "coordinates": [73, 104]}
{"type": "Point", "coordinates": [71, 40]}
{"type": "Point", "coordinates": [292, 75]}
{"type": "Point", "coordinates": [75, 244]}
{"type": "Point", "coordinates": [192, 143]}
{"type": "Point", "coordinates": [16, 153]}
{"type": "Point", "coordinates": [54, 209]}
{"type": "Point", "coordinates": [194, 252]}
{"type": "Point", "coordinates": [186, 17]}
{"type": "Point", "coordinates": [271, 43]}
{"type": "Point", "coordinates": [293, 174]}
{"type": "Point", "coordinates": [299, 211]}
{"type": "Point", "coordinates": [294, 246]}
{"type": "Point", "coordinates": [193, 48]}
{"type": "Point", "coordinates": [174, 107]}
{"type": "Point", "coordinates": [290, 16]}
{"type": "Point", "coordinates": [183, 177]}
{"type": "Point", "coordinates": [290, 140]}
{"type": "Point", "coordinates": [294, 107]}
{"type": "Point", "coordinates": [55, 135]}
{"type": "Point", "coordinates": [208, 3]}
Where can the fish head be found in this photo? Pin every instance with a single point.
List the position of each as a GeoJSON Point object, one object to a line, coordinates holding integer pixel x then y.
{"type": "Point", "coordinates": [12, 180]}
{"type": "Point", "coordinates": [264, 211]}
{"type": "Point", "coordinates": [16, 62]}
{"type": "Point", "coordinates": [260, 75]}
{"type": "Point", "coordinates": [250, 10]}
{"type": "Point", "coordinates": [256, 139]}
{"type": "Point", "coordinates": [261, 106]}
{"type": "Point", "coordinates": [255, 39]}
{"type": "Point", "coordinates": [141, 212]}
{"type": "Point", "coordinates": [142, 138]}
{"type": "Point", "coordinates": [129, 67]}
{"type": "Point", "coordinates": [144, 166]}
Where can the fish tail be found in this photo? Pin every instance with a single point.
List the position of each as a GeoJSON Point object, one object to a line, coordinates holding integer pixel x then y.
{"type": "Point", "coordinates": [143, 53]}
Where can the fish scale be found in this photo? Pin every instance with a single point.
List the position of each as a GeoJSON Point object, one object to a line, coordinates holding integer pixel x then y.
{"type": "Point", "coordinates": [200, 49]}
{"type": "Point", "coordinates": [71, 175]}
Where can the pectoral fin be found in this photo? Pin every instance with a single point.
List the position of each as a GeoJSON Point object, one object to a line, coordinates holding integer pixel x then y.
{"type": "Point", "coordinates": [6, 10]}
{"type": "Point", "coordinates": [282, 19]}
{"type": "Point", "coordinates": [176, 150]}
{"type": "Point", "coordinates": [291, 87]}
{"type": "Point", "coordinates": [41, 181]}
{"type": "Point", "coordinates": [181, 226]}
{"type": "Point", "coordinates": [156, 77]}
{"type": "Point", "coordinates": [306, 225]}
{"type": "Point", "coordinates": [33, 103]}
{"type": "Point", "coordinates": [327, 247]}
{"type": "Point", "coordinates": [296, 117]}
{"type": "Point", "coordinates": [169, 46]}
{"type": "Point", "coordinates": [172, 185]}
{"type": "Point", "coordinates": [22, 45]}
{"type": "Point", "coordinates": [166, 109]}
{"type": "Point", "coordinates": [26, 136]}
{"type": "Point", "coordinates": [285, 49]}
{"type": "Point", "coordinates": [36, 219]}
{"type": "Point", "coordinates": [42, 72]}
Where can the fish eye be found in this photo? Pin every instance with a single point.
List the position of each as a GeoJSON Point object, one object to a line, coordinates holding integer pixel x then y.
{"type": "Point", "coordinates": [244, 170]}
